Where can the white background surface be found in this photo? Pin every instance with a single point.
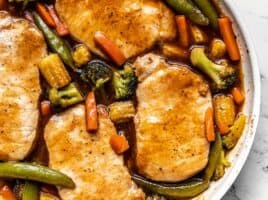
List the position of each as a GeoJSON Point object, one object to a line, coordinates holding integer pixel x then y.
{"type": "Point", "coordinates": [252, 183]}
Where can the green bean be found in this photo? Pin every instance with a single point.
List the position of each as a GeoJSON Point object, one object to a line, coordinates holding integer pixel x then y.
{"type": "Point", "coordinates": [57, 45]}
{"type": "Point", "coordinates": [189, 188]}
{"type": "Point", "coordinates": [30, 191]}
{"type": "Point", "coordinates": [214, 156]}
{"type": "Point", "coordinates": [29, 171]}
{"type": "Point", "coordinates": [207, 8]}
{"type": "Point", "coordinates": [190, 10]}
{"type": "Point", "coordinates": [174, 190]}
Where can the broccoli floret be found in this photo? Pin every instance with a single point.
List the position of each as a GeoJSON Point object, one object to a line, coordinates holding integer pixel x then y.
{"type": "Point", "coordinates": [124, 82]}
{"type": "Point", "coordinates": [66, 96]}
{"type": "Point", "coordinates": [220, 168]}
{"type": "Point", "coordinates": [96, 73]}
{"type": "Point", "coordinates": [230, 140]}
{"type": "Point", "coordinates": [223, 76]}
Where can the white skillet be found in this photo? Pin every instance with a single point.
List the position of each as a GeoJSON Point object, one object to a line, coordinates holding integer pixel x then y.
{"type": "Point", "coordinates": [251, 108]}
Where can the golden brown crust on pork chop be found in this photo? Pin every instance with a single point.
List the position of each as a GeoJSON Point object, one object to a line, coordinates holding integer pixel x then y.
{"type": "Point", "coordinates": [99, 174]}
{"type": "Point", "coordinates": [134, 26]}
{"type": "Point", "coordinates": [172, 100]}
{"type": "Point", "coordinates": [21, 48]}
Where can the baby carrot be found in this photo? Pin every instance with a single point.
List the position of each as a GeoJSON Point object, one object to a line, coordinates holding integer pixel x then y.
{"type": "Point", "coordinates": [119, 143]}
{"type": "Point", "coordinates": [238, 95]}
{"type": "Point", "coordinates": [110, 48]}
{"type": "Point", "coordinates": [61, 27]}
{"type": "Point", "coordinates": [183, 31]}
{"type": "Point", "coordinates": [91, 113]}
{"type": "Point", "coordinates": [45, 108]}
{"type": "Point", "coordinates": [41, 9]}
{"type": "Point", "coordinates": [209, 125]}
{"type": "Point", "coordinates": [229, 38]}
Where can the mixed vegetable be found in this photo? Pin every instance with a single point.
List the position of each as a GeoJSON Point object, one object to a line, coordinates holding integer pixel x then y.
{"type": "Point", "coordinates": [192, 187]}
{"type": "Point", "coordinates": [223, 76]}
{"type": "Point", "coordinates": [124, 82]}
{"type": "Point", "coordinates": [73, 74]}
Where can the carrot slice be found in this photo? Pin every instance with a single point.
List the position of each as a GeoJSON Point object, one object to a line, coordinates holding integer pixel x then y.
{"type": "Point", "coordinates": [183, 31]}
{"type": "Point", "coordinates": [209, 125]}
{"type": "Point", "coordinates": [229, 38]}
{"type": "Point", "coordinates": [119, 143]}
{"type": "Point", "coordinates": [6, 193]}
{"type": "Point", "coordinates": [45, 108]}
{"type": "Point", "coordinates": [223, 129]}
{"type": "Point", "coordinates": [238, 95]}
{"type": "Point", "coordinates": [61, 27]}
{"type": "Point", "coordinates": [110, 48]}
{"type": "Point", "coordinates": [91, 113]}
{"type": "Point", "coordinates": [41, 9]}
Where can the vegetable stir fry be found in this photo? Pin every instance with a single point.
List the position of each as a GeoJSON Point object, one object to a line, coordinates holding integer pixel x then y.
{"type": "Point", "coordinates": [195, 34]}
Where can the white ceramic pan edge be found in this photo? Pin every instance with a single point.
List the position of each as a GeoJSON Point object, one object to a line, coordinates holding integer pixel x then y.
{"type": "Point", "coordinates": [251, 108]}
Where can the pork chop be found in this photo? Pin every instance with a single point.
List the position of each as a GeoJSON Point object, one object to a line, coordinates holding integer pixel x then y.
{"type": "Point", "coordinates": [21, 48]}
{"type": "Point", "coordinates": [134, 26]}
{"type": "Point", "coordinates": [99, 174]}
{"type": "Point", "coordinates": [170, 135]}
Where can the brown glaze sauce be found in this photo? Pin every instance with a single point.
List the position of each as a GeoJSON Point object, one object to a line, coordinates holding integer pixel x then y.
{"type": "Point", "coordinates": [40, 154]}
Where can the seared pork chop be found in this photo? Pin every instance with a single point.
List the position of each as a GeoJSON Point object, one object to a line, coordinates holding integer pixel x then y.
{"type": "Point", "coordinates": [134, 26]}
{"type": "Point", "coordinates": [21, 49]}
{"type": "Point", "coordinates": [170, 134]}
{"type": "Point", "coordinates": [99, 174]}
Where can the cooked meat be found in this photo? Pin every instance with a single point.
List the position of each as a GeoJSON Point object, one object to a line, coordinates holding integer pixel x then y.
{"type": "Point", "coordinates": [134, 26]}
{"type": "Point", "coordinates": [171, 143]}
{"type": "Point", "coordinates": [98, 173]}
{"type": "Point", "coordinates": [21, 48]}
